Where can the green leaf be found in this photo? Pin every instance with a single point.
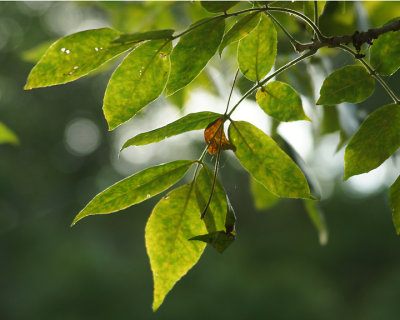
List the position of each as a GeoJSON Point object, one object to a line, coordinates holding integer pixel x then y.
{"type": "Point", "coordinates": [330, 121]}
{"type": "Point", "coordinates": [281, 101]}
{"type": "Point", "coordinates": [257, 52]}
{"type": "Point", "coordinates": [262, 197]}
{"type": "Point", "coordinates": [136, 188]}
{"type": "Point", "coordinates": [376, 140]}
{"type": "Point", "coordinates": [214, 218]}
{"type": "Point", "coordinates": [218, 6]}
{"type": "Point", "coordinates": [348, 84]}
{"type": "Point", "coordinates": [394, 202]}
{"type": "Point", "coordinates": [318, 220]}
{"type": "Point", "coordinates": [7, 136]}
{"type": "Point", "coordinates": [385, 53]}
{"type": "Point", "coordinates": [219, 240]}
{"type": "Point", "coordinates": [148, 35]}
{"type": "Point", "coordinates": [240, 29]}
{"type": "Point", "coordinates": [266, 162]}
{"type": "Point", "coordinates": [138, 80]}
{"type": "Point", "coordinates": [174, 220]}
{"type": "Point", "coordinates": [74, 56]}
{"type": "Point", "coordinates": [193, 52]}
{"type": "Point", "coordinates": [308, 9]}
{"type": "Point", "coordinates": [192, 121]}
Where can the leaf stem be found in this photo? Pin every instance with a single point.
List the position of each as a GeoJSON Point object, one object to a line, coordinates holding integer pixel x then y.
{"type": "Point", "coordinates": [280, 70]}
{"type": "Point", "coordinates": [373, 73]}
{"type": "Point", "coordinates": [292, 40]}
{"type": "Point", "coordinates": [230, 94]}
{"type": "Point", "coordinates": [316, 15]}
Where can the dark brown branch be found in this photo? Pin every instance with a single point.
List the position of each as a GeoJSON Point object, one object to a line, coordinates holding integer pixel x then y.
{"type": "Point", "coordinates": [357, 38]}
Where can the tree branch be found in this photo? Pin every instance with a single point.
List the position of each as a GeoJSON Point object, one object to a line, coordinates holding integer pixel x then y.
{"type": "Point", "coordinates": [357, 38]}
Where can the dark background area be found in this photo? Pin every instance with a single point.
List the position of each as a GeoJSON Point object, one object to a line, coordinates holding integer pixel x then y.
{"type": "Point", "coordinates": [99, 269]}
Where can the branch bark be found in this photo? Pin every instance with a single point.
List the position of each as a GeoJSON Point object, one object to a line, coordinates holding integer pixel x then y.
{"type": "Point", "coordinates": [357, 38]}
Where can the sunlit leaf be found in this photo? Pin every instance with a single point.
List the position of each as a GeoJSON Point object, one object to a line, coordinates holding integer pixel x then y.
{"type": "Point", "coordinates": [257, 52]}
{"type": "Point", "coordinates": [174, 220]}
{"type": "Point", "coordinates": [218, 6]}
{"type": "Point", "coordinates": [215, 136]}
{"type": "Point", "coordinates": [138, 80]}
{"type": "Point", "coordinates": [240, 29]}
{"type": "Point", "coordinates": [141, 36]}
{"type": "Point", "coordinates": [219, 240]}
{"type": "Point", "coordinates": [281, 101]}
{"type": "Point", "coordinates": [376, 140]}
{"type": "Point", "coordinates": [7, 135]}
{"type": "Point", "coordinates": [136, 188]}
{"type": "Point", "coordinates": [317, 218]}
{"type": "Point", "coordinates": [74, 56]}
{"type": "Point", "coordinates": [394, 201]}
{"type": "Point", "coordinates": [192, 121]}
{"type": "Point", "coordinates": [193, 52]}
{"type": "Point", "coordinates": [214, 218]}
{"type": "Point", "coordinates": [266, 162]}
{"type": "Point", "coordinates": [262, 197]}
{"type": "Point", "coordinates": [385, 53]}
{"type": "Point", "coordinates": [348, 84]}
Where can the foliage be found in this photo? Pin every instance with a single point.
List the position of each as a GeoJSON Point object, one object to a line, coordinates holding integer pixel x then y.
{"type": "Point", "coordinates": [200, 212]}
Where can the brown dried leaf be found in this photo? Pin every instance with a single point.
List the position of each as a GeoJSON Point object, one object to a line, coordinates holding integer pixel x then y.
{"type": "Point", "coordinates": [215, 133]}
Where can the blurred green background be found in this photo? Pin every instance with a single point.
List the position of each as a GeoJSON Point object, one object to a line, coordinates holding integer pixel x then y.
{"type": "Point", "coordinates": [99, 269]}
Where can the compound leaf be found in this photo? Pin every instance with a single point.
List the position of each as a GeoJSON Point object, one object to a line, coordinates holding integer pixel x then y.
{"type": "Point", "coordinates": [266, 162]}
{"type": "Point", "coordinates": [394, 202]}
{"type": "Point", "coordinates": [240, 29]}
{"type": "Point", "coordinates": [348, 84]}
{"type": "Point", "coordinates": [174, 220]}
{"type": "Point", "coordinates": [281, 101]}
{"type": "Point", "coordinates": [192, 121]}
{"type": "Point", "coordinates": [138, 80]}
{"type": "Point", "coordinates": [376, 140]}
{"type": "Point", "coordinates": [136, 188]}
{"type": "Point", "coordinates": [218, 6]}
{"type": "Point", "coordinates": [214, 218]}
{"type": "Point", "coordinates": [74, 56]}
{"type": "Point", "coordinates": [147, 35]}
{"type": "Point", "coordinates": [257, 51]}
{"type": "Point", "coordinates": [385, 53]}
{"type": "Point", "coordinates": [193, 52]}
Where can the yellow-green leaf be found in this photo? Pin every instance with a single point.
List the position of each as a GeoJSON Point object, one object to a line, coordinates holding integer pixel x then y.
{"type": "Point", "coordinates": [348, 84]}
{"type": "Point", "coordinates": [376, 140]}
{"type": "Point", "coordinates": [317, 218]}
{"type": "Point", "coordinates": [142, 36]}
{"type": "Point", "coordinates": [257, 52]}
{"type": "Point", "coordinates": [266, 162]}
{"type": "Point", "coordinates": [214, 218]}
{"type": "Point", "coordinates": [174, 220]}
{"type": "Point", "coordinates": [136, 188]}
{"type": "Point", "coordinates": [138, 80]}
{"type": "Point", "coordinates": [7, 136]}
{"type": "Point", "coordinates": [262, 197]}
{"type": "Point", "coordinates": [193, 52]}
{"type": "Point", "coordinates": [74, 56]}
{"type": "Point", "coordinates": [218, 6]}
{"type": "Point", "coordinates": [394, 202]}
{"type": "Point", "coordinates": [385, 53]}
{"type": "Point", "coordinates": [240, 29]}
{"type": "Point", "coordinates": [281, 101]}
{"type": "Point", "coordinates": [192, 121]}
